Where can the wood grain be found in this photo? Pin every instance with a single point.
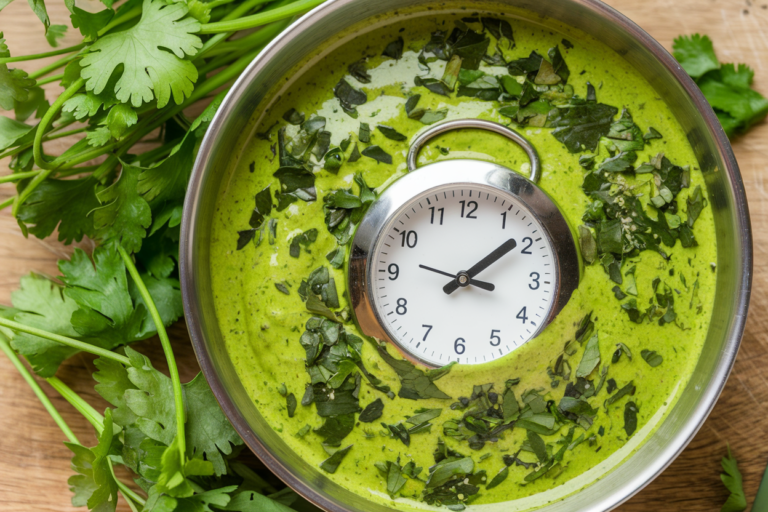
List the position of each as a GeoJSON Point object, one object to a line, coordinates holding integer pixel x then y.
{"type": "Point", "coordinates": [34, 464]}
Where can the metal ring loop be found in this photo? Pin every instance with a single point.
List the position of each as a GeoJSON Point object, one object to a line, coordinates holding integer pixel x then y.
{"type": "Point", "coordinates": [479, 124]}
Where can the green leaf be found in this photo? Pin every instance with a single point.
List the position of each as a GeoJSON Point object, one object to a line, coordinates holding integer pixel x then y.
{"type": "Point", "coordinates": [629, 389]}
{"type": "Point", "coordinates": [54, 33]}
{"type": "Point", "coordinates": [448, 469]}
{"type": "Point", "coordinates": [62, 205]}
{"type": "Point", "coordinates": [651, 357]}
{"type": "Point", "coordinates": [98, 136]}
{"type": "Point", "coordinates": [107, 314]}
{"type": "Point", "coordinates": [151, 400]}
{"type": "Point", "coordinates": [580, 127]}
{"type": "Point", "coordinates": [590, 359]}
{"type": "Point", "coordinates": [14, 87]}
{"type": "Point", "coordinates": [113, 382]}
{"type": "Point", "coordinates": [331, 464]}
{"type": "Point", "coordinates": [391, 133]}
{"type": "Point", "coordinates": [250, 501]}
{"type": "Point", "coordinates": [630, 418]}
{"type": "Point", "coordinates": [12, 133]}
{"type": "Point", "coordinates": [94, 486]}
{"type": "Point", "coordinates": [538, 446]}
{"type": "Point", "coordinates": [125, 215]}
{"type": "Point", "coordinates": [349, 97]}
{"type": "Point", "coordinates": [394, 49]}
{"type": "Point", "coordinates": [120, 118]}
{"type": "Point", "coordinates": [166, 183]}
{"type": "Point", "coordinates": [499, 478]}
{"type": "Point", "coordinates": [43, 305]}
{"type": "Point", "coordinates": [731, 477]}
{"type": "Point", "coordinates": [378, 154]}
{"type": "Point", "coordinates": [414, 383]}
{"type": "Point", "coordinates": [393, 473]}
{"type": "Point", "coordinates": [35, 104]}
{"type": "Point", "coordinates": [372, 411]}
{"type": "Point", "coordinates": [209, 433]}
{"type": "Point", "coordinates": [151, 54]}
{"type": "Point", "coordinates": [336, 428]}
{"type": "Point", "coordinates": [695, 54]}
{"type": "Point", "coordinates": [89, 23]}
{"type": "Point", "coordinates": [166, 294]}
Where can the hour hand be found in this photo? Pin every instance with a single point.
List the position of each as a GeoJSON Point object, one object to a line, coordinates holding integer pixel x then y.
{"type": "Point", "coordinates": [480, 284]}
{"type": "Point", "coordinates": [478, 267]}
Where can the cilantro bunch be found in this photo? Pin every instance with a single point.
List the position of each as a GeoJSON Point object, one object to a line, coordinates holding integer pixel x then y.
{"type": "Point", "coordinates": [727, 87]}
{"type": "Point", "coordinates": [139, 70]}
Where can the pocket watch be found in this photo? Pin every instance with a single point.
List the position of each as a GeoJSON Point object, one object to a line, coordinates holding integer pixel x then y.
{"type": "Point", "coordinates": [461, 260]}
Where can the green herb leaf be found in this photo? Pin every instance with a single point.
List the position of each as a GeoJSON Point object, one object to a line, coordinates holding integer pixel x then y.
{"type": "Point", "coordinates": [63, 205]}
{"type": "Point", "coordinates": [124, 215]}
{"type": "Point", "coordinates": [372, 411]}
{"type": "Point", "coordinates": [14, 87]}
{"type": "Point", "coordinates": [378, 154]}
{"type": "Point", "coordinates": [579, 127]}
{"type": "Point", "coordinates": [94, 486]}
{"type": "Point", "coordinates": [394, 49]}
{"type": "Point", "coordinates": [695, 54]}
{"type": "Point", "coordinates": [731, 477]}
{"type": "Point", "coordinates": [149, 70]}
{"type": "Point", "coordinates": [336, 428]}
{"type": "Point", "coordinates": [349, 97]}
{"type": "Point", "coordinates": [499, 478]}
{"type": "Point", "coordinates": [630, 418]}
{"type": "Point", "coordinates": [391, 133]}
{"type": "Point", "coordinates": [414, 383]}
{"type": "Point", "coordinates": [590, 359]}
{"type": "Point", "coordinates": [629, 389]}
{"type": "Point", "coordinates": [331, 464]}
{"type": "Point", "coordinates": [651, 357]}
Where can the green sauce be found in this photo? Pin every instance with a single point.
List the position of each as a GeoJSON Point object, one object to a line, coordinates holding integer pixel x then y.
{"type": "Point", "coordinates": [261, 325]}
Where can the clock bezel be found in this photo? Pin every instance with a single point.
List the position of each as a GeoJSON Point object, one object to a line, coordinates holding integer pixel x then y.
{"type": "Point", "coordinates": [459, 172]}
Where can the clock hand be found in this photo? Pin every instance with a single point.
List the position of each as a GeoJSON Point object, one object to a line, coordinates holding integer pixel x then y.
{"type": "Point", "coordinates": [481, 265]}
{"type": "Point", "coordinates": [479, 284]}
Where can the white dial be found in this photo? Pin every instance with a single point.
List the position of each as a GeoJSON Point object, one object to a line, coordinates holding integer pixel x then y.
{"type": "Point", "coordinates": [463, 272]}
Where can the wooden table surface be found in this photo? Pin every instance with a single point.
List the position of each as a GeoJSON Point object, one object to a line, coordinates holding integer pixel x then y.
{"type": "Point", "coordinates": [34, 464]}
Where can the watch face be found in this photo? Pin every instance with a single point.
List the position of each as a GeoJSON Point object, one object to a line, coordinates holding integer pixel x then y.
{"type": "Point", "coordinates": [463, 272]}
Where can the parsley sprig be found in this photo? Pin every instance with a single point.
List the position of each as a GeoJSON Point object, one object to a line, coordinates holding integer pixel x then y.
{"type": "Point", "coordinates": [727, 87]}
{"type": "Point", "coordinates": [139, 69]}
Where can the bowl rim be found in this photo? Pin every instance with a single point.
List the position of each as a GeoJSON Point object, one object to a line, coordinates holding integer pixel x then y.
{"type": "Point", "coordinates": [187, 260]}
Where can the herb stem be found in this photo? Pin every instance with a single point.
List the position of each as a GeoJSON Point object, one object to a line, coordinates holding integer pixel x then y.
{"type": "Point", "coordinates": [234, 14]}
{"type": "Point", "coordinates": [76, 401]}
{"type": "Point", "coordinates": [6, 348]}
{"type": "Point", "coordinates": [22, 147]}
{"type": "Point", "coordinates": [232, 49]}
{"type": "Point", "coordinates": [36, 56]}
{"type": "Point", "coordinates": [18, 176]}
{"type": "Point", "coordinates": [257, 20]}
{"type": "Point", "coordinates": [46, 121]}
{"type": "Point", "coordinates": [53, 66]}
{"type": "Point", "coordinates": [218, 3]}
{"type": "Point", "coordinates": [178, 397]}
{"type": "Point", "coordinates": [79, 345]}
{"type": "Point", "coordinates": [8, 202]}
{"type": "Point", "coordinates": [128, 494]}
{"type": "Point", "coordinates": [50, 79]}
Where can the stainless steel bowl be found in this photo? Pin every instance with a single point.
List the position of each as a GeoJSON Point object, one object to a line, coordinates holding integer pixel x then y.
{"type": "Point", "coordinates": [715, 158]}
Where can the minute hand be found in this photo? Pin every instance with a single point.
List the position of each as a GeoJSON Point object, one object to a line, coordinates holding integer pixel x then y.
{"type": "Point", "coordinates": [483, 264]}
